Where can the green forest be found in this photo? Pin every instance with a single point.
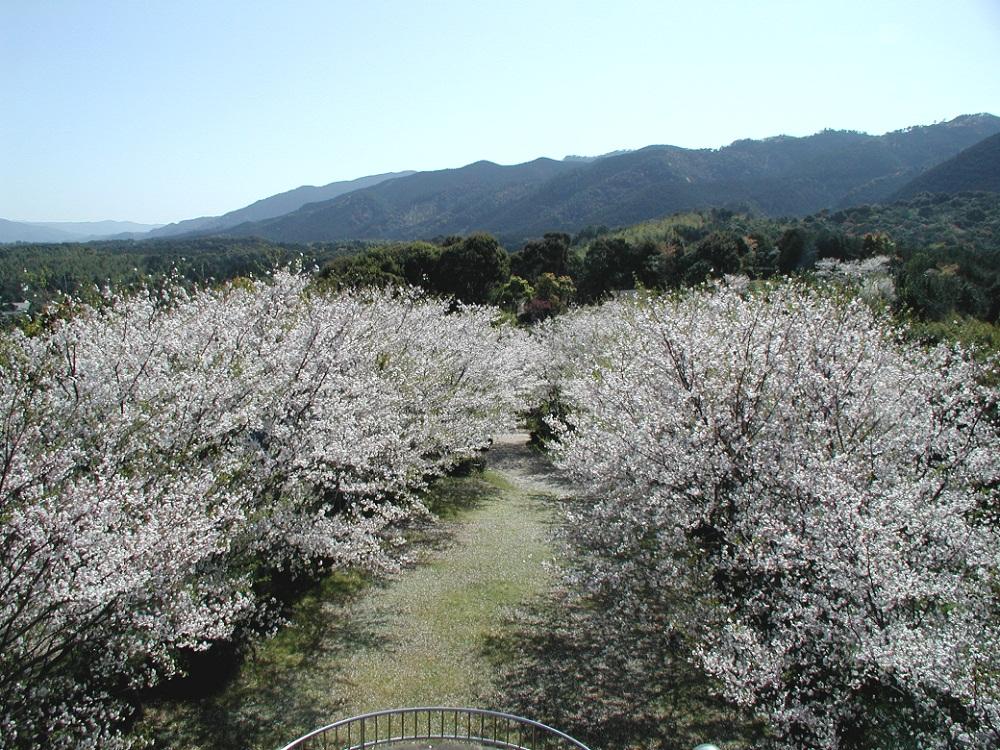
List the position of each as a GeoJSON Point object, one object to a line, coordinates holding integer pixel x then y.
{"type": "Point", "coordinates": [941, 253]}
{"type": "Point", "coordinates": [40, 272]}
{"type": "Point", "coordinates": [941, 249]}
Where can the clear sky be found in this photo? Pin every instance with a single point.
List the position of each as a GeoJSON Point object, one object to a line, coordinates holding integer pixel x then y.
{"type": "Point", "coordinates": [160, 110]}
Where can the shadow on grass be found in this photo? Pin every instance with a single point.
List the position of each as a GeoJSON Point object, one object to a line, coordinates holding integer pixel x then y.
{"type": "Point", "coordinates": [609, 680]}
{"type": "Point", "coordinates": [284, 688]}
{"type": "Point", "coordinates": [529, 466]}
{"type": "Point", "coordinates": [451, 497]}
{"type": "Point", "coordinates": [448, 500]}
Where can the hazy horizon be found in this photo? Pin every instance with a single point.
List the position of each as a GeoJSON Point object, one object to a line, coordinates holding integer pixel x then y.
{"type": "Point", "coordinates": [169, 111]}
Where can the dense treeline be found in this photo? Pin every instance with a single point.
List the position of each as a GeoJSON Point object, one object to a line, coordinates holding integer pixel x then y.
{"type": "Point", "coordinates": [468, 268]}
{"type": "Point", "coordinates": [38, 272]}
{"type": "Point", "coordinates": [941, 253]}
{"type": "Point", "coordinates": [952, 237]}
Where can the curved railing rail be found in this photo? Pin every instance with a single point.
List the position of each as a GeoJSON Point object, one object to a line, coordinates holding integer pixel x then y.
{"type": "Point", "coordinates": [471, 725]}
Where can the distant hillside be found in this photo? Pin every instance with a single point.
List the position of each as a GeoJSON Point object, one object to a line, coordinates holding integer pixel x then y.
{"type": "Point", "coordinates": [425, 204]}
{"type": "Point", "coordinates": [781, 176]}
{"type": "Point", "coordinates": [67, 231]}
{"type": "Point", "coordinates": [16, 231]}
{"type": "Point", "coordinates": [275, 205]}
{"type": "Point", "coordinates": [969, 221]}
{"type": "Point", "coordinates": [577, 158]}
{"type": "Point", "coordinates": [976, 168]}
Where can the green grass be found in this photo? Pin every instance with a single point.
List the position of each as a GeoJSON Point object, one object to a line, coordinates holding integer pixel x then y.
{"type": "Point", "coordinates": [355, 645]}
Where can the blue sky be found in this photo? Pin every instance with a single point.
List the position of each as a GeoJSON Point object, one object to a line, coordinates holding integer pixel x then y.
{"type": "Point", "coordinates": [158, 111]}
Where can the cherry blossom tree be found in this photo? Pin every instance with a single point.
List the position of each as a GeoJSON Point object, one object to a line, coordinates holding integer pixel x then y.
{"type": "Point", "coordinates": [159, 452]}
{"type": "Point", "coordinates": [800, 497]}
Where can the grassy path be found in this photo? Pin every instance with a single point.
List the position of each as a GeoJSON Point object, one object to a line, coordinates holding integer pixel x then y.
{"type": "Point", "coordinates": [418, 638]}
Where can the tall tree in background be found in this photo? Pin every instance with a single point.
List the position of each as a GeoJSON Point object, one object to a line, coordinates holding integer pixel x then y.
{"type": "Point", "coordinates": [473, 268]}
{"type": "Point", "coordinates": [547, 255]}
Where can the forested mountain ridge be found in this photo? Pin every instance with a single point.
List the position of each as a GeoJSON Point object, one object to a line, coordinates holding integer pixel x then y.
{"type": "Point", "coordinates": [275, 205]}
{"type": "Point", "coordinates": [975, 168]}
{"type": "Point", "coordinates": [777, 176]}
{"type": "Point", "coordinates": [447, 201]}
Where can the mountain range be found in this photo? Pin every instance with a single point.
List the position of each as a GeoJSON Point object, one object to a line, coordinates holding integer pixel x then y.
{"type": "Point", "coordinates": [275, 205]}
{"type": "Point", "coordinates": [975, 168]}
{"type": "Point", "coordinates": [266, 208]}
{"type": "Point", "coordinates": [779, 176]}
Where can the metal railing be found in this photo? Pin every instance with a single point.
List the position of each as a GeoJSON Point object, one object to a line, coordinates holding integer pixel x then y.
{"type": "Point", "coordinates": [474, 726]}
